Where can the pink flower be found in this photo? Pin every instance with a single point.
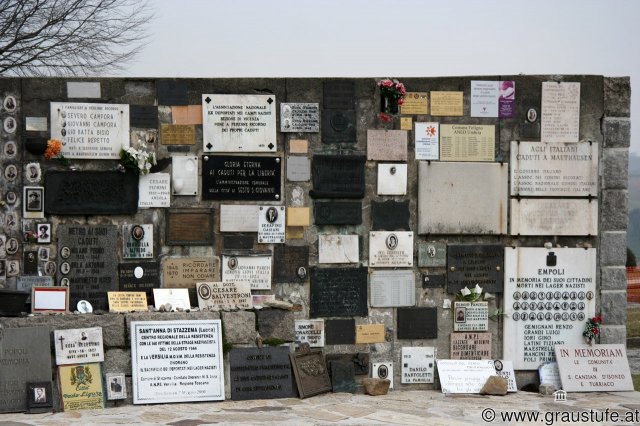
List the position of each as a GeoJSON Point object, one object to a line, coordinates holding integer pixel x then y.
{"type": "Point", "coordinates": [400, 88]}
{"type": "Point", "coordinates": [385, 117]}
{"type": "Point", "coordinates": [385, 83]}
{"type": "Point", "coordinates": [400, 101]}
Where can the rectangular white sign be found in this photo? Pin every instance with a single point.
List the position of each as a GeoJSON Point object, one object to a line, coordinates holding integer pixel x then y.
{"type": "Point", "coordinates": [464, 376]}
{"type": "Point", "coordinates": [418, 364]}
{"type": "Point", "coordinates": [184, 174]}
{"type": "Point", "coordinates": [392, 288]}
{"type": "Point", "coordinates": [311, 332]}
{"type": "Point", "coordinates": [382, 370]}
{"type": "Point", "coordinates": [271, 224]}
{"type": "Point", "coordinates": [484, 98]}
{"type": "Point", "coordinates": [337, 248]}
{"type": "Point", "coordinates": [78, 346]}
{"type": "Point", "coordinates": [154, 190]}
{"type": "Point", "coordinates": [427, 141]}
{"type": "Point", "coordinates": [254, 270]}
{"type": "Point", "coordinates": [390, 249]}
{"type": "Point", "coordinates": [471, 316]}
{"type": "Point", "coordinates": [224, 295]}
{"type": "Point", "coordinates": [176, 297]}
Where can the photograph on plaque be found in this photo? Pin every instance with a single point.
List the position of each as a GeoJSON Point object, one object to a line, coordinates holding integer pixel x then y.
{"type": "Point", "coordinates": [464, 376]}
{"type": "Point", "coordinates": [239, 123]}
{"type": "Point", "coordinates": [338, 176]}
{"type": "Point", "coordinates": [172, 298]}
{"type": "Point", "coordinates": [81, 386]}
{"type": "Point", "coordinates": [338, 126]}
{"type": "Point", "coordinates": [434, 281]}
{"type": "Point", "coordinates": [139, 276]}
{"type": "Point", "coordinates": [470, 316]}
{"type": "Point", "coordinates": [299, 117]}
{"type": "Point", "coordinates": [310, 371]}
{"type": "Point", "coordinates": [311, 332]}
{"type": "Point", "coordinates": [116, 386]}
{"type": "Point", "coordinates": [470, 346]}
{"type": "Point", "coordinates": [471, 264]}
{"type": "Point", "coordinates": [392, 288]}
{"type": "Point", "coordinates": [227, 295]}
{"type": "Point", "coordinates": [340, 331]}
{"type": "Point", "coordinates": [548, 296]}
{"type": "Point", "coordinates": [447, 103]}
{"type": "Point", "coordinates": [79, 345]}
{"type": "Point", "coordinates": [390, 249]}
{"type": "Point", "coordinates": [417, 323]}
{"type": "Point", "coordinates": [254, 270]}
{"type": "Point", "coordinates": [33, 207]}
{"type": "Point", "coordinates": [560, 112]}
{"type": "Point", "coordinates": [185, 272]}
{"type": "Point", "coordinates": [338, 292]}
{"type": "Point", "coordinates": [260, 373]}
{"type": "Point", "coordinates": [154, 190]}
{"type": "Point", "coordinates": [9, 103]}
{"type": "Point", "coordinates": [271, 224]}
{"type": "Point", "coordinates": [127, 301]}
{"type": "Point", "coordinates": [507, 99]}
{"type": "Point", "coordinates": [239, 217]}
{"type": "Point", "coordinates": [184, 175]}
{"type": "Point", "coordinates": [39, 397]}
{"type": "Point", "coordinates": [338, 248]}
{"type": "Point", "coordinates": [386, 145]}
{"type": "Point", "coordinates": [291, 263]}
{"type": "Point", "coordinates": [390, 215]}
{"type": "Point", "coordinates": [33, 173]}
{"type": "Point", "coordinates": [427, 141]}
{"type": "Point", "coordinates": [190, 227]}
{"type": "Point", "coordinates": [415, 103]}
{"type": "Point", "coordinates": [392, 179]}
{"type": "Point", "coordinates": [467, 142]}
{"type": "Point", "coordinates": [432, 254]}
{"type": "Point", "coordinates": [49, 299]}
{"type": "Point", "coordinates": [553, 216]}
{"type": "Point", "coordinates": [246, 178]}
{"type": "Point", "coordinates": [337, 212]}
{"type": "Point", "coordinates": [201, 361]}
{"type": "Point", "coordinates": [137, 241]}
{"type": "Point", "coordinates": [418, 364]}
{"type": "Point", "coordinates": [298, 168]}
{"type": "Point", "coordinates": [382, 370]}
{"type": "Point", "coordinates": [484, 98]}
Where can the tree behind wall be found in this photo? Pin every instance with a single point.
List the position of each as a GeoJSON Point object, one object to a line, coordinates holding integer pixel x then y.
{"type": "Point", "coordinates": [70, 37]}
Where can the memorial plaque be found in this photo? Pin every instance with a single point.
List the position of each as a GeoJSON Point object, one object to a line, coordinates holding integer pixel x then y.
{"type": "Point", "coordinates": [390, 249]}
{"type": "Point", "coordinates": [83, 89]}
{"type": "Point", "coordinates": [172, 92]}
{"type": "Point", "coordinates": [560, 118]}
{"type": "Point", "coordinates": [93, 262]}
{"type": "Point", "coordinates": [298, 169]}
{"type": "Point", "coordinates": [239, 218]}
{"type": "Point", "coordinates": [427, 141]}
{"type": "Point", "coordinates": [340, 331]}
{"type": "Point", "coordinates": [471, 264]}
{"type": "Point", "coordinates": [254, 270]}
{"type": "Point", "coordinates": [462, 198]}
{"type": "Point", "coordinates": [224, 295]}
{"type": "Point", "coordinates": [546, 169]}
{"type": "Point", "coordinates": [370, 333]}
{"type": "Point", "coordinates": [386, 145]}
{"type": "Point", "coordinates": [154, 190]}
{"type": "Point", "coordinates": [298, 146]}
{"type": "Point", "coordinates": [81, 387]}
{"type": "Point", "coordinates": [530, 131]}
{"type": "Point", "coordinates": [550, 374]}
{"type": "Point", "coordinates": [338, 176]}
{"type": "Point", "coordinates": [90, 193]}
{"type": "Point", "coordinates": [552, 216]}
{"type": "Point", "coordinates": [25, 283]}
{"type": "Point", "coordinates": [549, 294]}
{"type": "Point", "coordinates": [177, 134]}
{"type": "Point", "coordinates": [298, 216]}
{"type": "Point", "coordinates": [470, 345]}
{"type": "Point", "coordinates": [116, 386]}
{"type": "Point", "coordinates": [36, 124]}
{"type": "Point", "coordinates": [337, 212]}
{"type": "Point", "coordinates": [186, 114]}
{"type": "Point", "coordinates": [127, 301]}
{"type": "Point", "coordinates": [415, 103]}
{"type": "Point", "coordinates": [417, 323]}
{"type": "Point", "coordinates": [447, 104]}
{"type": "Point", "coordinates": [594, 368]}
{"type": "Point", "coordinates": [183, 272]}
{"type": "Point", "coordinates": [184, 174]}
{"type": "Point", "coordinates": [392, 179]}
{"type": "Point", "coordinates": [271, 224]}
{"type": "Point", "coordinates": [238, 242]}
{"type": "Point", "coordinates": [79, 345]}
{"type": "Point", "coordinates": [337, 248]}
{"type": "Point", "coordinates": [467, 142]}
{"type": "Point", "coordinates": [239, 123]}
{"type": "Point", "coordinates": [338, 94]}
{"type": "Point", "coordinates": [406, 123]}
{"type": "Point", "coordinates": [310, 371]}
{"type": "Point", "coordinates": [418, 364]}
{"type": "Point", "coordinates": [228, 177]}
{"type": "Point", "coordinates": [29, 262]}
{"type": "Point", "coordinates": [155, 345]}
{"type": "Point", "coordinates": [90, 131]}
{"type": "Point", "coordinates": [137, 241]}
{"type": "Point", "coordinates": [338, 126]}
{"type": "Point", "coordinates": [471, 316]}
{"type": "Point", "coordinates": [143, 116]}
{"type": "Point", "coordinates": [434, 281]}
{"type": "Point", "coordinates": [178, 298]}
{"type": "Point", "coordinates": [359, 360]}
{"type": "Point", "coordinates": [140, 276]}
{"type": "Point", "coordinates": [299, 117]}
{"type": "Point", "coordinates": [25, 356]}
{"type": "Point", "coordinates": [311, 332]}
{"type": "Point", "coordinates": [343, 377]}
{"type": "Point", "coordinates": [291, 263]}
{"type": "Point", "coordinates": [464, 376]}
{"type": "Point", "coordinates": [390, 215]}
{"type": "Point", "coordinates": [338, 292]}
{"type": "Point", "coordinates": [504, 369]}
{"type": "Point", "coordinates": [192, 227]}
{"type": "Point", "coordinates": [260, 373]}
{"type": "Point", "coordinates": [382, 370]}
{"type": "Point", "coordinates": [432, 254]}
{"type": "Point", "coordinates": [392, 288]}
{"type": "Point", "coordinates": [484, 98]}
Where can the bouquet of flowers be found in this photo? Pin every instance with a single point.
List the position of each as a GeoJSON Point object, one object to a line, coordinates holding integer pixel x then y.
{"type": "Point", "coordinates": [592, 328]}
{"type": "Point", "coordinates": [466, 295]}
{"type": "Point", "coordinates": [54, 146]}
{"type": "Point", "coordinates": [138, 160]}
{"type": "Point", "coordinates": [392, 95]}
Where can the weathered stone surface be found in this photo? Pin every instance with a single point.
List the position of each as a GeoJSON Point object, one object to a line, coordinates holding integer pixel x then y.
{"type": "Point", "coordinates": [376, 386]}
{"type": "Point", "coordinates": [546, 389]}
{"type": "Point", "coordinates": [613, 334]}
{"type": "Point", "coordinates": [616, 163]}
{"type": "Point", "coordinates": [239, 327]}
{"type": "Point", "coordinates": [117, 360]}
{"type": "Point", "coordinates": [166, 316]}
{"type": "Point", "coordinates": [276, 324]}
{"type": "Point", "coordinates": [613, 278]}
{"type": "Point", "coordinates": [495, 385]}
{"type": "Point", "coordinates": [614, 210]}
{"type": "Point", "coordinates": [613, 248]}
{"type": "Point", "coordinates": [613, 306]}
{"type": "Point", "coordinates": [617, 96]}
{"type": "Point", "coordinates": [617, 132]}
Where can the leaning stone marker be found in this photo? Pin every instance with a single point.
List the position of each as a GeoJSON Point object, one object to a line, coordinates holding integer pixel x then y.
{"type": "Point", "coordinates": [260, 373]}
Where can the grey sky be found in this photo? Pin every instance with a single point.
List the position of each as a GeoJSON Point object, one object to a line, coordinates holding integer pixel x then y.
{"type": "Point", "coordinates": [409, 38]}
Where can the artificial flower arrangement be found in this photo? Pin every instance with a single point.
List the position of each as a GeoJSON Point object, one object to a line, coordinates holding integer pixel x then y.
{"type": "Point", "coordinates": [466, 295]}
{"type": "Point", "coordinates": [137, 160]}
{"type": "Point", "coordinates": [391, 96]}
{"type": "Point", "coordinates": [592, 328]}
{"type": "Point", "coordinates": [54, 146]}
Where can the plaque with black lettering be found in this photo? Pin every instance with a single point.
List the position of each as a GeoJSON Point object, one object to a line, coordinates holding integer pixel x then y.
{"type": "Point", "coordinates": [417, 323]}
{"type": "Point", "coordinates": [310, 371]}
{"type": "Point", "coordinates": [247, 178]}
{"type": "Point", "coordinates": [471, 264]}
{"type": "Point", "coordinates": [337, 212]}
{"type": "Point", "coordinates": [338, 126]}
{"type": "Point", "coordinates": [340, 331]}
{"type": "Point", "coordinates": [434, 281]}
{"type": "Point", "coordinates": [190, 227]}
{"type": "Point", "coordinates": [291, 263]}
{"type": "Point", "coordinates": [172, 92]}
{"type": "Point", "coordinates": [343, 377]}
{"type": "Point", "coordinates": [143, 116]}
{"type": "Point", "coordinates": [338, 292]}
{"type": "Point", "coordinates": [140, 276]}
{"type": "Point", "coordinates": [390, 215]}
{"type": "Point", "coordinates": [260, 373]}
{"type": "Point", "coordinates": [338, 176]}
{"type": "Point", "coordinates": [238, 242]}
{"type": "Point", "coordinates": [359, 360]}
{"type": "Point", "coordinates": [90, 193]}
{"type": "Point", "coordinates": [338, 94]}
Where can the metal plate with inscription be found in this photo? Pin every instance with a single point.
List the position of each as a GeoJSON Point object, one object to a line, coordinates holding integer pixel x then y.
{"type": "Point", "coordinates": [248, 178]}
{"type": "Point", "coordinates": [359, 360]}
{"type": "Point", "coordinates": [190, 227]}
{"type": "Point", "coordinates": [338, 176]}
{"type": "Point", "coordinates": [343, 377]}
{"type": "Point", "coordinates": [310, 371]}
{"type": "Point", "coordinates": [434, 281]}
{"type": "Point", "coordinates": [90, 193]}
{"type": "Point", "coordinates": [298, 168]}
{"type": "Point", "coordinates": [143, 116]}
{"type": "Point", "coordinates": [299, 117]}
{"type": "Point", "coordinates": [260, 373]}
{"type": "Point", "coordinates": [291, 263]}
{"type": "Point", "coordinates": [432, 254]}
{"type": "Point", "coordinates": [338, 292]}
{"type": "Point", "coordinates": [417, 323]}
{"type": "Point", "coordinates": [337, 212]}
{"type": "Point", "coordinates": [140, 276]}
{"type": "Point", "coordinates": [392, 288]}
{"type": "Point", "coordinates": [172, 92]}
{"type": "Point", "coordinates": [390, 249]}
{"type": "Point", "coordinates": [338, 126]}
{"type": "Point", "coordinates": [177, 134]}
{"type": "Point", "coordinates": [340, 331]}
{"type": "Point", "coordinates": [471, 264]}
{"type": "Point", "coordinates": [338, 94]}
{"type": "Point", "coordinates": [390, 215]}
{"type": "Point", "coordinates": [470, 346]}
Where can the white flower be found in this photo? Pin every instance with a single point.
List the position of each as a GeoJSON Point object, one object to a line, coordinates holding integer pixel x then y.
{"type": "Point", "coordinates": [465, 291]}
{"type": "Point", "coordinates": [478, 289]}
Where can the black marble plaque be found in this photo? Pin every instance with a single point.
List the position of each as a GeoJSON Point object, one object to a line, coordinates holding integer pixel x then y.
{"type": "Point", "coordinates": [343, 377]}
{"type": "Point", "coordinates": [90, 193]}
{"type": "Point", "coordinates": [530, 131]}
{"type": "Point", "coordinates": [246, 178]}
{"type": "Point", "coordinates": [238, 242]}
{"type": "Point", "coordinates": [338, 176]}
{"type": "Point", "coordinates": [143, 116]}
{"type": "Point", "coordinates": [290, 263]}
{"type": "Point", "coordinates": [417, 323]}
{"type": "Point", "coordinates": [310, 371]}
{"type": "Point", "coordinates": [434, 281]}
{"type": "Point", "coordinates": [390, 215]}
{"type": "Point", "coordinates": [340, 331]}
{"type": "Point", "coordinates": [149, 280]}
{"type": "Point", "coordinates": [337, 212]}
{"type": "Point", "coordinates": [30, 262]}
{"type": "Point", "coordinates": [471, 264]}
{"type": "Point", "coordinates": [338, 126]}
{"type": "Point", "coordinates": [260, 373]}
{"type": "Point", "coordinates": [338, 292]}
{"type": "Point", "coordinates": [359, 360]}
{"type": "Point", "coordinates": [172, 92]}
{"type": "Point", "coordinates": [338, 94]}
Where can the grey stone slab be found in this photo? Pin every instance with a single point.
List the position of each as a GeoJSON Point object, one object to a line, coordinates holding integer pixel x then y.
{"type": "Point", "coordinates": [239, 327]}
{"type": "Point", "coordinates": [616, 132]}
{"type": "Point", "coordinates": [617, 96]}
{"type": "Point", "coordinates": [298, 168]}
{"type": "Point", "coordinates": [615, 161]}
{"type": "Point", "coordinates": [343, 377]}
{"type": "Point", "coordinates": [614, 210]}
{"type": "Point", "coordinates": [613, 278]}
{"type": "Point", "coordinates": [613, 248]}
{"type": "Point", "coordinates": [613, 334]}
{"type": "Point", "coordinates": [117, 360]}
{"type": "Point", "coordinates": [276, 324]}
{"type": "Point", "coordinates": [613, 306]}
{"type": "Point", "coordinates": [417, 323]}
{"type": "Point", "coordinates": [260, 373]}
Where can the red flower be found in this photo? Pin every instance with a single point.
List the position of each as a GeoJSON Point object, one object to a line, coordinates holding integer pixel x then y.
{"type": "Point", "coordinates": [400, 101]}
{"type": "Point", "coordinates": [385, 117]}
{"type": "Point", "coordinates": [598, 319]}
{"type": "Point", "coordinates": [596, 331]}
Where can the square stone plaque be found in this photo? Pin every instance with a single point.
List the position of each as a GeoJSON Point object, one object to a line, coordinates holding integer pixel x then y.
{"type": "Point", "coordinates": [298, 216]}
{"type": "Point", "coordinates": [390, 249]}
{"type": "Point", "coordinates": [471, 264]}
{"type": "Point", "coordinates": [254, 270]}
{"type": "Point", "coordinates": [184, 175]}
{"type": "Point", "coordinates": [418, 364]}
{"type": "Point", "coordinates": [260, 373]}
{"type": "Point", "coordinates": [271, 224]}
{"type": "Point", "coordinates": [434, 281]}
{"type": "Point", "coordinates": [291, 263]}
{"type": "Point", "coordinates": [338, 176]}
{"type": "Point", "coordinates": [172, 92]}
{"type": "Point", "coordinates": [238, 242]}
{"type": "Point", "coordinates": [338, 292]}
{"type": "Point", "coordinates": [143, 116]}
{"type": "Point", "coordinates": [137, 241]}
{"type": "Point", "coordinates": [154, 190]}
{"type": "Point", "coordinates": [471, 316]}
{"type": "Point", "coordinates": [224, 295]}
{"type": "Point", "coordinates": [390, 215]}
{"type": "Point", "coordinates": [239, 218]}
{"type": "Point", "coordinates": [339, 126]}
{"type": "Point", "coordinates": [340, 331]}
{"type": "Point", "coordinates": [140, 276]}
{"type": "Point", "coordinates": [392, 179]}
{"type": "Point", "coordinates": [298, 168]}
{"type": "Point", "coordinates": [387, 145]}
{"type": "Point", "coordinates": [78, 345]}
{"type": "Point", "coordinates": [417, 323]}
{"type": "Point", "coordinates": [432, 254]}
{"type": "Point", "coordinates": [392, 288]}
{"type": "Point", "coordinates": [338, 248]}
{"type": "Point", "coordinates": [337, 212]}
{"type": "Point", "coordinates": [470, 346]}
{"type": "Point", "coordinates": [382, 370]}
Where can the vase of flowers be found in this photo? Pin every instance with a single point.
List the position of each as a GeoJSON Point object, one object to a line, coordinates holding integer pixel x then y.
{"type": "Point", "coordinates": [592, 329]}
{"type": "Point", "coordinates": [52, 152]}
{"type": "Point", "coordinates": [138, 161]}
{"type": "Point", "coordinates": [391, 97]}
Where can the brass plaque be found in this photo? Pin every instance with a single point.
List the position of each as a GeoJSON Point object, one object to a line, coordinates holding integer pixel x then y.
{"type": "Point", "coordinates": [370, 333]}
{"type": "Point", "coordinates": [415, 103]}
{"type": "Point", "coordinates": [310, 371]}
{"type": "Point", "coordinates": [177, 134]}
{"type": "Point", "coordinates": [127, 301]}
{"type": "Point", "coordinates": [190, 227]}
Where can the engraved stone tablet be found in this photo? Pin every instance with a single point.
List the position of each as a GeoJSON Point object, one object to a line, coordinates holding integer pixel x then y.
{"type": "Point", "coordinates": [299, 117]}
{"type": "Point", "coordinates": [172, 92]}
{"type": "Point", "coordinates": [224, 295]}
{"type": "Point", "coordinates": [311, 332]}
{"type": "Point", "coordinates": [338, 292]}
{"type": "Point", "coordinates": [340, 331]}
{"type": "Point", "coordinates": [432, 254]}
{"type": "Point", "coordinates": [310, 371]}
{"type": "Point", "coordinates": [462, 198]}
{"type": "Point", "coordinates": [254, 270]}
{"type": "Point", "coordinates": [392, 179]}
{"type": "Point", "coordinates": [78, 345]}
{"type": "Point", "coordinates": [551, 216]}
{"type": "Point", "coordinates": [599, 368]}
{"type": "Point", "coordinates": [359, 360]}
{"type": "Point", "coordinates": [137, 241]}
{"type": "Point", "coordinates": [343, 377]}
{"type": "Point", "coordinates": [390, 249]}
{"type": "Point", "coordinates": [392, 288]}
{"type": "Point", "coordinates": [471, 264]}
{"type": "Point", "coordinates": [25, 283]}
{"type": "Point", "coordinates": [190, 227]}
{"type": "Point", "coordinates": [467, 142]}
{"type": "Point", "coordinates": [298, 169]}
{"type": "Point", "coordinates": [238, 242]}
{"type": "Point", "coordinates": [560, 118]}
{"type": "Point", "coordinates": [139, 276]}
{"type": "Point", "coordinates": [154, 190]}
{"type": "Point", "coordinates": [338, 126]}
{"type": "Point", "coordinates": [143, 116]}
{"type": "Point", "coordinates": [418, 364]}
{"type": "Point", "coordinates": [390, 215]}
{"type": "Point", "coordinates": [337, 212]}
{"type": "Point", "coordinates": [177, 134]}
{"type": "Point", "coordinates": [338, 176]}
{"type": "Point", "coordinates": [260, 373]}
{"type": "Point", "coordinates": [291, 263]}
{"type": "Point", "coordinates": [36, 124]}
{"type": "Point", "coordinates": [470, 345]}
{"type": "Point", "coordinates": [417, 323]}
{"type": "Point", "coordinates": [271, 224]}
{"type": "Point", "coordinates": [434, 281]}
{"type": "Point", "coordinates": [338, 94]}
{"type": "Point", "coordinates": [178, 272]}
{"type": "Point", "coordinates": [184, 174]}
{"type": "Point", "coordinates": [464, 376]}
{"type": "Point", "coordinates": [239, 218]}
{"type": "Point", "coordinates": [83, 89]}
{"type": "Point", "coordinates": [387, 145]}
{"type": "Point", "coordinates": [370, 333]}
{"type": "Point", "coordinates": [337, 248]}
{"type": "Point", "coordinates": [471, 316]}
{"type": "Point", "coordinates": [549, 373]}
{"type": "Point", "coordinates": [227, 177]}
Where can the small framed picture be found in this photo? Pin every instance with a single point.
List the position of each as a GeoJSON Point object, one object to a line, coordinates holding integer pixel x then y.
{"type": "Point", "coordinates": [39, 396]}
{"type": "Point", "coordinates": [44, 233]}
{"type": "Point", "coordinates": [33, 172]}
{"type": "Point", "coordinates": [33, 202]}
{"type": "Point", "coordinates": [10, 125]}
{"type": "Point", "coordinates": [3, 269]}
{"type": "Point", "coordinates": [116, 386]}
{"type": "Point", "coordinates": [10, 149]}
{"type": "Point", "coordinates": [13, 268]}
{"type": "Point", "coordinates": [12, 246]}
{"type": "Point", "coordinates": [43, 253]}
{"type": "Point", "coordinates": [49, 299]}
{"type": "Point", "coordinates": [10, 103]}
{"type": "Point", "coordinates": [50, 268]}
{"type": "Point", "coordinates": [11, 172]}
{"type": "Point", "coordinates": [11, 197]}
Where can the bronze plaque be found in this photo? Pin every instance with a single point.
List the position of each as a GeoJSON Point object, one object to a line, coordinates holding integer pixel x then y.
{"type": "Point", "coordinates": [310, 371]}
{"type": "Point", "coordinates": [190, 227]}
{"type": "Point", "coordinates": [360, 361]}
{"type": "Point", "coordinates": [177, 134]}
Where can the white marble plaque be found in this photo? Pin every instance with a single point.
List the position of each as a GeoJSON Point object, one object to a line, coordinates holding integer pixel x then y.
{"type": "Point", "coordinates": [26, 282]}
{"type": "Point", "coordinates": [36, 124]}
{"type": "Point", "coordinates": [464, 376]}
{"type": "Point", "coordinates": [382, 370]}
{"type": "Point", "coordinates": [462, 198]}
{"type": "Point", "coordinates": [77, 346]}
{"type": "Point", "coordinates": [336, 248]}
{"type": "Point", "coordinates": [594, 368]}
{"type": "Point", "coordinates": [176, 297]}
{"type": "Point", "coordinates": [311, 332]}
{"type": "Point", "coordinates": [484, 98]}
{"type": "Point", "coordinates": [470, 345]}
{"type": "Point", "coordinates": [505, 369]}
{"type": "Point", "coordinates": [392, 288]}
{"type": "Point", "coordinates": [154, 190]}
{"type": "Point", "coordinates": [298, 168]}
{"type": "Point", "coordinates": [90, 131]}
{"type": "Point", "coordinates": [552, 216]}
{"type": "Point", "coordinates": [184, 175]}
{"type": "Point", "coordinates": [253, 270]}
{"type": "Point", "coordinates": [418, 364]}
{"type": "Point", "coordinates": [83, 89]}
{"type": "Point", "coordinates": [176, 361]}
{"type": "Point", "coordinates": [427, 141]}
{"type": "Point", "coordinates": [554, 169]}
{"type": "Point", "coordinates": [224, 295]}
{"type": "Point", "coordinates": [137, 241]}
{"type": "Point", "coordinates": [549, 373]}
{"type": "Point", "coordinates": [239, 123]}
{"type": "Point", "coordinates": [548, 296]}
{"type": "Point", "coordinates": [390, 249]}
{"type": "Point", "coordinates": [271, 224]}
{"type": "Point", "coordinates": [471, 316]}
{"type": "Point", "coordinates": [392, 179]}
{"type": "Point", "coordinates": [300, 117]}
{"type": "Point", "coordinates": [239, 218]}
{"type": "Point", "coordinates": [386, 145]}
{"type": "Point", "coordinates": [560, 121]}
